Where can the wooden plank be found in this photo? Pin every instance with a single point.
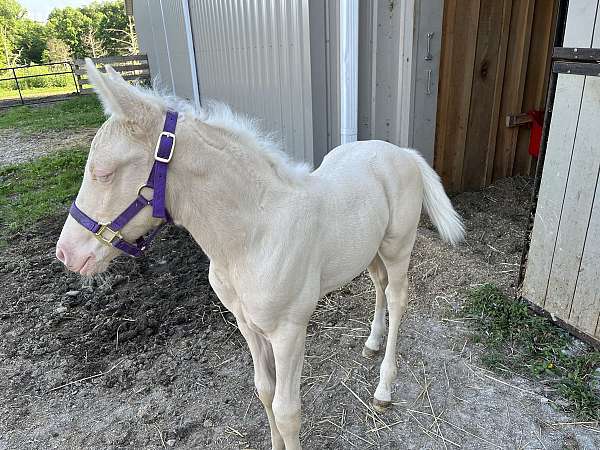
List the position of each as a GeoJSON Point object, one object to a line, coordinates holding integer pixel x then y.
{"type": "Point", "coordinates": [578, 200]}
{"type": "Point", "coordinates": [580, 54]}
{"type": "Point", "coordinates": [120, 69]}
{"type": "Point", "coordinates": [460, 25]}
{"type": "Point", "coordinates": [481, 119]}
{"type": "Point", "coordinates": [536, 82]}
{"type": "Point", "coordinates": [499, 94]}
{"type": "Point", "coordinates": [576, 68]}
{"type": "Point", "coordinates": [113, 59]}
{"type": "Point", "coordinates": [141, 76]}
{"type": "Point", "coordinates": [514, 85]}
{"type": "Point", "coordinates": [581, 18]}
{"type": "Point", "coordinates": [585, 310]}
{"type": "Point", "coordinates": [561, 137]}
{"type": "Point", "coordinates": [517, 120]}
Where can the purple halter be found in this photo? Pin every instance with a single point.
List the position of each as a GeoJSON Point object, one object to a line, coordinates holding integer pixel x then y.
{"type": "Point", "coordinates": [110, 233]}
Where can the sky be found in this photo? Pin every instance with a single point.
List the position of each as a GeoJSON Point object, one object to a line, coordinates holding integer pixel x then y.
{"type": "Point", "coordinates": [39, 9]}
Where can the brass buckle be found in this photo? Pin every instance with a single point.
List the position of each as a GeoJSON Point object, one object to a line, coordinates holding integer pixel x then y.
{"type": "Point", "coordinates": [158, 158]}
{"type": "Point", "coordinates": [107, 240]}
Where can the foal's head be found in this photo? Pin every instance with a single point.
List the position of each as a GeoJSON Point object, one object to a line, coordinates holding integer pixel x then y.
{"type": "Point", "coordinates": [119, 162]}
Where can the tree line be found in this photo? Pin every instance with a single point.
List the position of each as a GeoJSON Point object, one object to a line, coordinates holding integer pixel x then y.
{"type": "Point", "coordinates": [98, 29]}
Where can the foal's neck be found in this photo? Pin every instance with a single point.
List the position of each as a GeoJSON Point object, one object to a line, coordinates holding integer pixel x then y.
{"type": "Point", "coordinates": [221, 190]}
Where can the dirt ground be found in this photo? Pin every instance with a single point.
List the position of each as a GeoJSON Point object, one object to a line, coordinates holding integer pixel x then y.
{"type": "Point", "coordinates": [162, 365]}
{"type": "Point", "coordinates": [18, 147]}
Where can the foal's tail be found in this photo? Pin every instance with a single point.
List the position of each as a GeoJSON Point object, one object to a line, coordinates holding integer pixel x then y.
{"type": "Point", "coordinates": [444, 217]}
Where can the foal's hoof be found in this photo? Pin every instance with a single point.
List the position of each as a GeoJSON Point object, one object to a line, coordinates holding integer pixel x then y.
{"type": "Point", "coordinates": [369, 353]}
{"type": "Point", "coordinates": [381, 406]}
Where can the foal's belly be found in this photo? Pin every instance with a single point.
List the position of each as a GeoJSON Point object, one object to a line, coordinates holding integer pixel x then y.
{"type": "Point", "coordinates": [352, 241]}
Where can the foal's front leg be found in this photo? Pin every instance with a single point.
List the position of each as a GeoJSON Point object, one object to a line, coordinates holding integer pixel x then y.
{"type": "Point", "coordinates": [260, 349]}
{"type": "Point", "coordinates": [264, 377]}
{"type": "Point", "coordinates": [288, 350]}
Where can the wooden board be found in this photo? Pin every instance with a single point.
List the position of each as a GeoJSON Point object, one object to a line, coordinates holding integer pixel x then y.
{"type": "Point", "coordinates": [113, 59]}
{"type": "Point", "coordinates": [481, 115]}
{"type": "Point", "coordinates": [119, 69]}
{"type": "Point", "coordinates": [560, 252]}
{"type": "Point", "coordinates": [140, 76]}
{"type": "Point", "coordinates": [460, 25]}
{"type": "Point", "coordinates": [577, 204]}
{"type": "Point", "coordinates": [513, 87]}
{"type": "Point", "coordinates": [585, 310]}
{"type": "Point", "coordinates": [495, 57]}
{"type": "Point", "coordinates": [537, 78]}
{"type": "Point", "coordinates": [569, 91]}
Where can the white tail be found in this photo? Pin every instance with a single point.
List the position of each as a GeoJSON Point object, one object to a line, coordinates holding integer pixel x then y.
{"type": "Point", "coordinates": [444, 217]}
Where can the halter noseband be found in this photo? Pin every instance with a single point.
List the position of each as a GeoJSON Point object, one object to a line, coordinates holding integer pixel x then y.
{"type": "Point", "coordinates": [110, 233]}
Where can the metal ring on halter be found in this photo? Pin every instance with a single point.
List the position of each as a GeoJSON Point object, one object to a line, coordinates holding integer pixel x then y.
{"type": "Point", "coordinates": [141, 188]}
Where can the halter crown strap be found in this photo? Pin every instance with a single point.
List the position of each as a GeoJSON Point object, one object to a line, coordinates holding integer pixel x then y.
{"type": "Point", "coordinates": [110, 233]}
{"type": "Point", "coordinates": [162, 156]}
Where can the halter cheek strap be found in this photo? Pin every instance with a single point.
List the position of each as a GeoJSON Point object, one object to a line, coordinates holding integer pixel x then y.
{"type": "Point", "coordinates": [110, 233]}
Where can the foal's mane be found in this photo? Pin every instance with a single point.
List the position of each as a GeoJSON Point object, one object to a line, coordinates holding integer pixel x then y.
{"type": "Point", "coordinates": [242, 127]}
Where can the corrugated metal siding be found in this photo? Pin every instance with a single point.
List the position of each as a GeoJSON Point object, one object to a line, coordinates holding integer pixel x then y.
{"type": "Point", "coordinates": [177, 47]}
{"type": "Point", "coordinates": [167, 52]}
{"type": "Point", "coordinates": [145, 33]}
{"type": "Point", "coordinates": [255, 56]}
{"type": "Point", "coordinates": [153, 41]}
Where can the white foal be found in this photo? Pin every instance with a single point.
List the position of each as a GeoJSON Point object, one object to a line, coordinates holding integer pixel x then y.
{"type": "Point", "coordinates": [278, 237]}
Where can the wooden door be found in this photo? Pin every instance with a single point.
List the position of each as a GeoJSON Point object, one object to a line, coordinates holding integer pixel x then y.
{"type": "Point", "coordinates": [563, 264]}
{"type": "Point", "coordinates": [494, 66]}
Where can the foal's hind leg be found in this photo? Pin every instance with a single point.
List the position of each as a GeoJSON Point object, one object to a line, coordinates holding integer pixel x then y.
{"type": "Point", "coordinates": [378, 274]}
{"type": "Point", "coordinates": [396, 259]}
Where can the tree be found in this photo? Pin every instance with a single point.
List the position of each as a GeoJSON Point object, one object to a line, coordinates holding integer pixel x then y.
{"type": "Point", "coordinates": [92, 43]}
{"type": "Point", "coordinates": [70, 25]}
{"type": "Point", "coordinates": [94, 30]}
{"type": "Point", "coordinates": [128, 39]}
{"type": "Point", "coordinates": [31, 39]}
{"type": "Point", "coordinates": [11, 12]}
{"type": "Point", "coordinates": [56, 50]}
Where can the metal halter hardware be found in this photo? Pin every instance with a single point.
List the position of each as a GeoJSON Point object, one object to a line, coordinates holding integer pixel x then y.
{"type": "Point", "coordinates": [110, 233]}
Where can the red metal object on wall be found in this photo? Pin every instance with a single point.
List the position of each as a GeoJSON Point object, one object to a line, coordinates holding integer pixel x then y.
{"type": "Point", "coordinates": [535, 138]}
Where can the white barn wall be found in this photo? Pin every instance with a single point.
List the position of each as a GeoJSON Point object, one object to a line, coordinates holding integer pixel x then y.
{"type": "Point", "coordinates": [259, 56]}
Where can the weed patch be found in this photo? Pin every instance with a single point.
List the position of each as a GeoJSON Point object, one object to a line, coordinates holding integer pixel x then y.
{"type": "Point", "coordinates": [37, 189]}
{"type": "Point", "coordinates": [521, 341]}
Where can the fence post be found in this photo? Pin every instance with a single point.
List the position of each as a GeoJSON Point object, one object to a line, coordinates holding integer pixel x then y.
{"type": "Point", "coordinates": [18, 85]}
{"type": "Point", "coordinates": [74, 79]}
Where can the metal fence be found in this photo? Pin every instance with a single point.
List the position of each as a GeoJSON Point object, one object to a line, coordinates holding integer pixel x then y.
{"type": "Point", "coordinates": [25, 94]}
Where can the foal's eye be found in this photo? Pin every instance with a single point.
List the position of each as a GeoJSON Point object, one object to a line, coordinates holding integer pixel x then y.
{"type": "Point", "coordinates": [103, 176]}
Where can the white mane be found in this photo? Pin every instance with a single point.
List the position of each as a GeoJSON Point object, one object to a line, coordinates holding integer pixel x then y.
{"type": "Point", "coordinates": [244, 128]}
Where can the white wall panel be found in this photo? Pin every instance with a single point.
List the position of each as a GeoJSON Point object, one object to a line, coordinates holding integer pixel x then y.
{"type": "Point", "coordinates": [255, 56]}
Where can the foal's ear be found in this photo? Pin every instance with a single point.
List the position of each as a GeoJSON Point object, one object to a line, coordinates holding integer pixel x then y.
{"type": "Point", "coordinates": [119, 98]}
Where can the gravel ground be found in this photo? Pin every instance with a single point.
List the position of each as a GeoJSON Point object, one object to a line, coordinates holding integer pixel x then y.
{"type": "Point", "coordinates": [18, 147]}
{"type": "Point", "coordinates": [146, 357]}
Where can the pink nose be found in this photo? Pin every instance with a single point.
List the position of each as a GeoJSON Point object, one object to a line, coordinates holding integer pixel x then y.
{"type": "Point", "coordinates": [62, 254]}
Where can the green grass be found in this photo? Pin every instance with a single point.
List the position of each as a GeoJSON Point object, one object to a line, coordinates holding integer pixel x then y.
{"type": "Point", "coordinates": [40, 188]}
{"type": "Point", "coordinates": [526, 343]}
{"type": "Point", "coordinates": [79, 112]}
{"type": "Point", "coordinates": [36, 92]}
